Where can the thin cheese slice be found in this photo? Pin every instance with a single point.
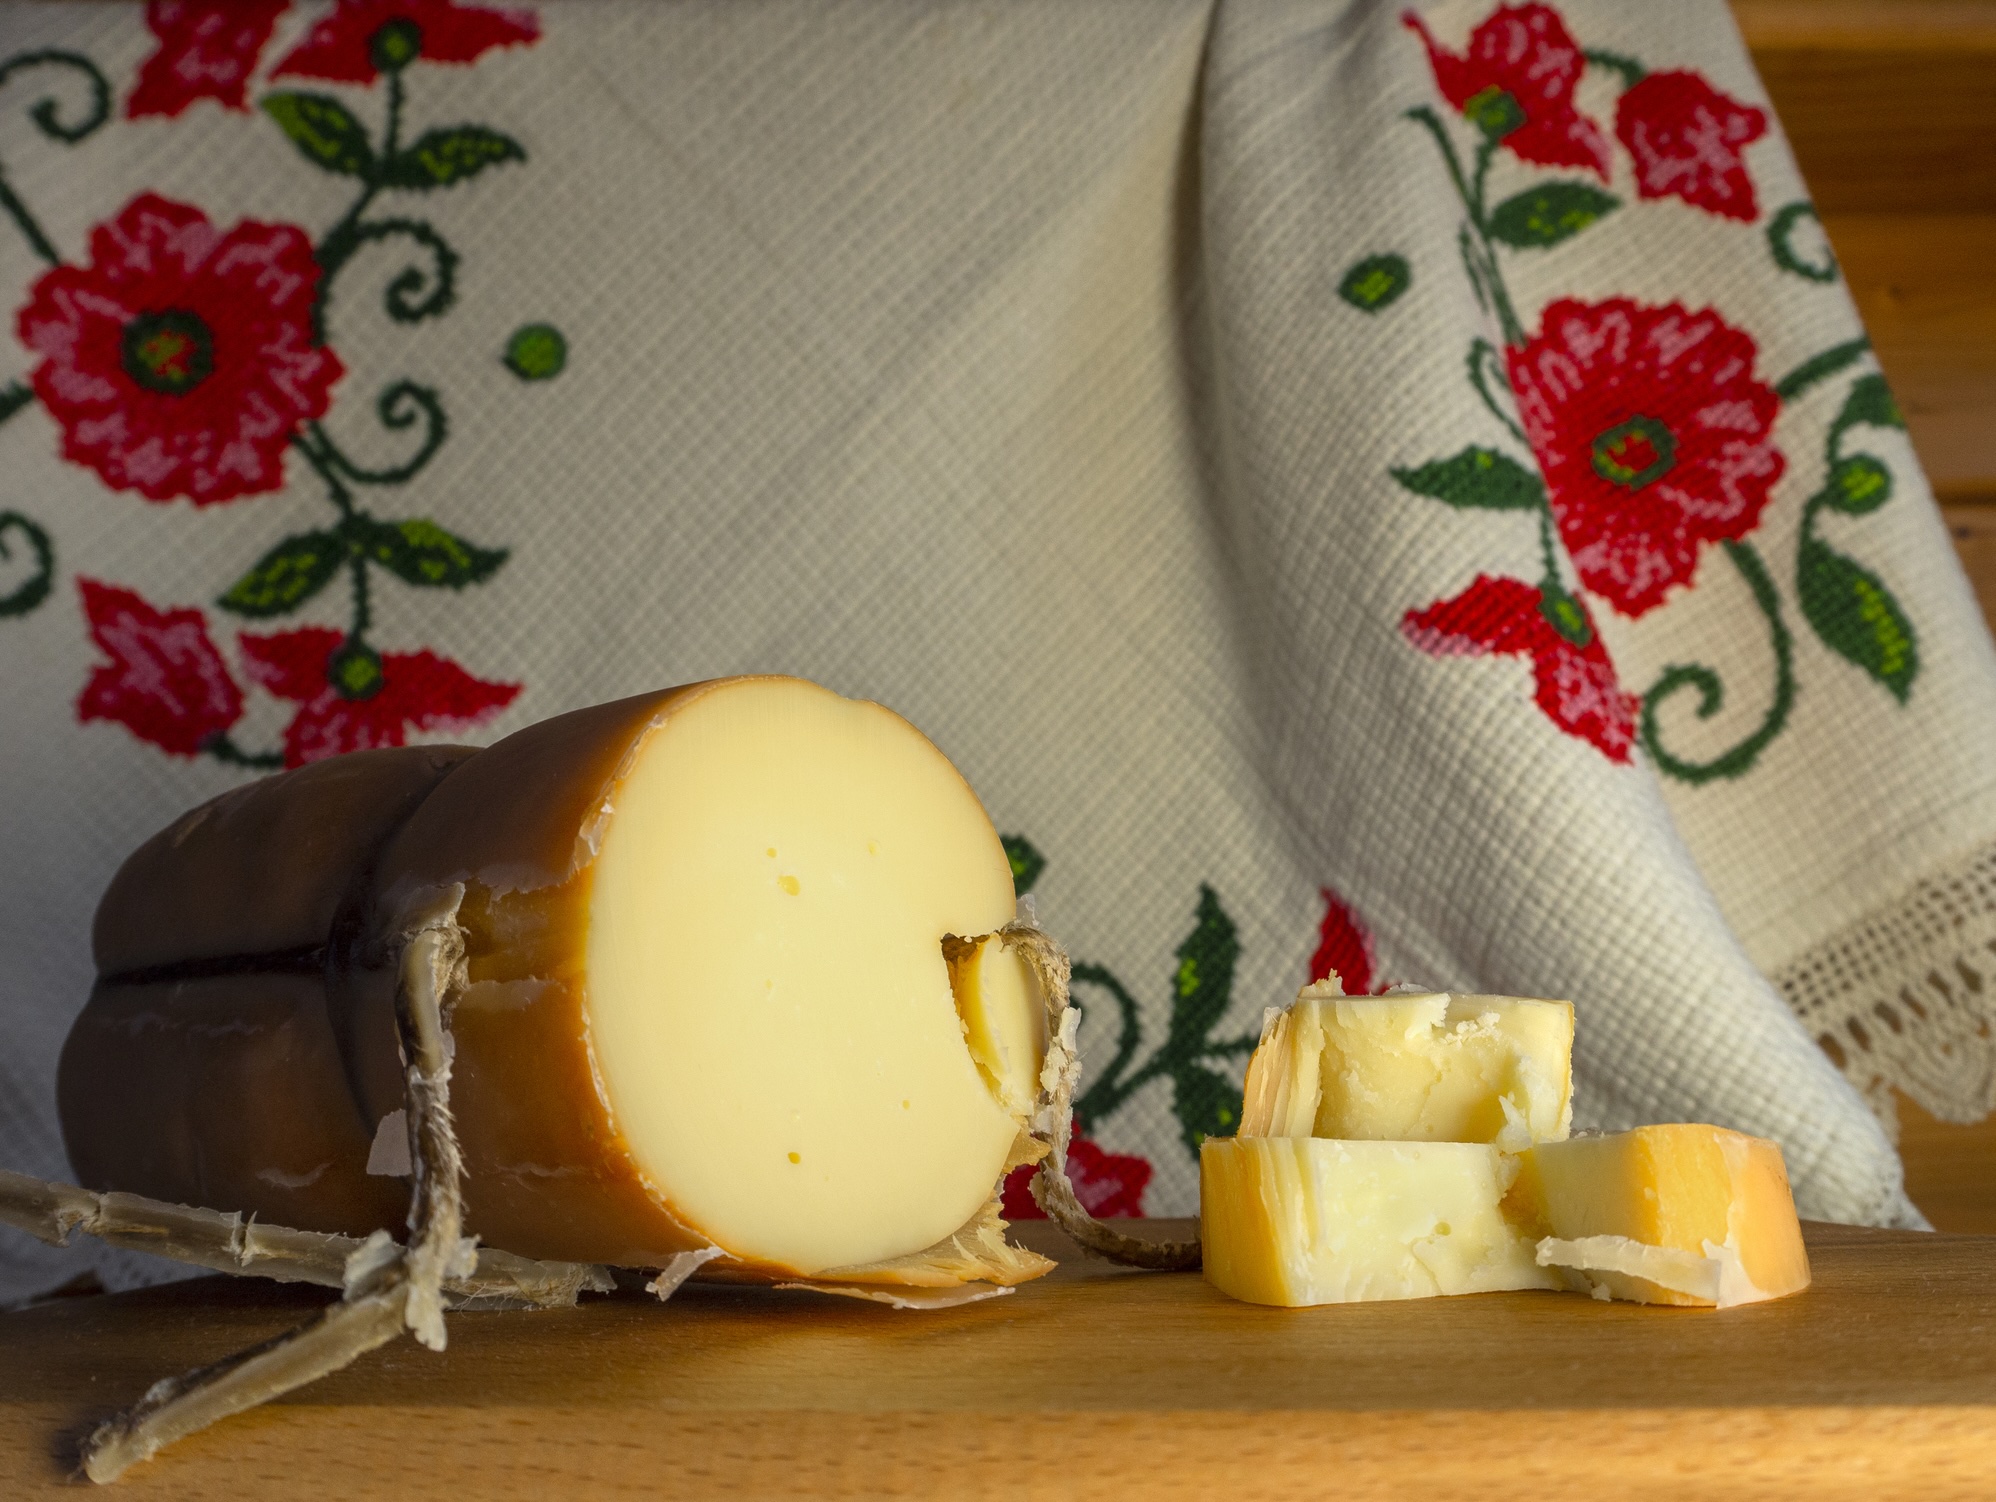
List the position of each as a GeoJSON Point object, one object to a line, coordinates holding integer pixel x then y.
{"type": "Point", "coordinates": [1413, 1067]}
{"type": "Point", "coordinates": [1305, 1220]}
{"type": "Point", "coordinates": [1677, 1214]}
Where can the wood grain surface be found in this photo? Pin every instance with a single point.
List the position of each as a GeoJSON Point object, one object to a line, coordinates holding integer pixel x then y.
{"type": "Point", "coordinates": [1887, 104]}
{"type": "Point", "coordinates": [1878, 1382]}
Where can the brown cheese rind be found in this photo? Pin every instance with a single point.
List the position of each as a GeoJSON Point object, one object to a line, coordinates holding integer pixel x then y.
{"type": "Point", "coordinates": [225, 1091]}
{"type": "Point", "coordinates": [206, 1068]}
{"type": "Point", "coordinates": [263, 869]}
{"type": "Point", "coordinates": [547, 1174]}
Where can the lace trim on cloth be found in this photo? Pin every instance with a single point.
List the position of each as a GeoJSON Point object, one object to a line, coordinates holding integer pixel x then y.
{"type": "Point", "coordinates": [1905, 996]}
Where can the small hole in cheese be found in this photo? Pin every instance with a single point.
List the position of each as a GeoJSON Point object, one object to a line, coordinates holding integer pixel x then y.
{"type": "Point", "coordinates": [789, 884]}
{"type": "Point", "coordinates": [796, 1158]}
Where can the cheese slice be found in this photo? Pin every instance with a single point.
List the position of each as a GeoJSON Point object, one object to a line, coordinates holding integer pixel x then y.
{"type": "Point", "coordinates": [1677, 1214]}
{"type": "Point", "coordinates": [1307, 1220]}
{"type": "Point", "coordinates": [1413, 1067]}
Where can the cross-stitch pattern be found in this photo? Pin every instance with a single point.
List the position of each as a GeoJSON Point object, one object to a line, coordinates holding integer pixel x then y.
{"type": "Point", "coordinates": [185, 360]}
{"type": "Point", "coordinates": [1652, 426]}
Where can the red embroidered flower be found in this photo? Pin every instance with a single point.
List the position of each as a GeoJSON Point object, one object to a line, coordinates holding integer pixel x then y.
{"type": "Point", "coordinates": [355, 699]}
{"type": "Point", "coordinates": [1686, 138]}
{"type": "Point", "coordinates": [1516, 83]}
{"type": "Point", "coordinates": [1653, 435]}
{"type": "Point", "coordinates": [1109, 1185]}
{"type": "Point", "coordinates": [165, 681]}
{"type": "Point", "coordinates": [1344, 948]}
{"type": "Point", "coordinates": [1577, 687]}
{"type": "Point", "coordinates": [180, 361]}
{"type": "Point", "coordinates": [362, 39]}
{"type": "Point", "coordinates": [207, 50]}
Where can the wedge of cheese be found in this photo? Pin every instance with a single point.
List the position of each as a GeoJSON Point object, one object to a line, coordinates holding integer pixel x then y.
{"type": "Point", "coordinates": [1676, 1214]}
{"type": "Point", "coordinates": [1411, 1067]}
{"type": "Point", "coordinates": [1309, 1220]}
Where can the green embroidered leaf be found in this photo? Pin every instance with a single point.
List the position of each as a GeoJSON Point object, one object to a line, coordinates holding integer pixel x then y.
{"type": "Point", "coordinates": [1376, 282]}
{"type": "Point", "coordinates": [1870, 401]}
{"type": "Point", "coordinates": [1856, 616]}
{"type": "Point", "coordinates": [1858, 485]}
{"type": "Point", "coordinates": [422, 553]}
{"type": "Point", "coordinates": [1477, 479]}
{"type": "Point", "coordinates": [440, 158]}
{"type": "Point", "coordinates": [1206, 1104]}
{"type": "Point", "coordinates": [1027, 862]}
{"type": "Point", "coordinates": [1549, 213]}
{"type": "Point", "coordinates": [1565, 614]}
{"type": "Point", "coordinates": [323, 129]}
{"type": "Point", "coordinates": [1203, 984]}
{"type": "Point", "coordinates": [287, 576]}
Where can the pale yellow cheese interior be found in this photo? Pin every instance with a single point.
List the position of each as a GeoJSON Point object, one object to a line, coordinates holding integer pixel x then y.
{"type": "Point", "coordinates": [1413, 1067]}
{"type": "Point", "coordinates": [1675, 1214]}
{"type": "Point", "coordinates": [769, 1006]}
{"type": "Point", "coordinates": [1308, 1220]}
{"type": "Point", "coordinates": [1003, 1018]}
{"type": "Point", "coordinates": [1410, 1144]}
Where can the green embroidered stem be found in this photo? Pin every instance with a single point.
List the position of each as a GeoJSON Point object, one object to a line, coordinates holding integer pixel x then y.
{"type": "Point", "coordinates": [399, 407]}
{"type": "Point", "coordinates": [1478, 203]}
{"type": "Point", "coordinates": [1500, 295]}
{"type": "Point", "coordinates": [1819, 368]}
{"type": "Point", "coordinates": [1781, 242]}
{"type": "Point", "coordinates": [47, 115]}
{"type": "Point", "coordinates": [338, 243]}
{"type": "Point", "coordinates": [319, 449]}
{"type": "Point", "coordinates": [13, 397]}
{"type": "Point", "coordinates": [1549, 549]}
{"type": "Point", "coordinates": [363, 614]}
{"type": "Point", "coordinates": [18, 212]}
{"type": "Point", "coordinates": [1483, 270]}
{"type": "Point", "coordinates": [413, 294]}
{"type": "Point", "coordinates": [1712, 693]}
{"type": "Point", "coordinates": [1421, 114]}
{"type": "Point", "coordinates": [25, 596]}
{"type": "Point", "coordinates": [1107, 1093]}
{"type": "Point", "coordinates": [307, 441]}
{"type": "Point", "coordinates": [1632, 71]}
{"type": "Point", "coordinates": [1480, 352]}
{"type": "Point", "coordinates": [226, 751]}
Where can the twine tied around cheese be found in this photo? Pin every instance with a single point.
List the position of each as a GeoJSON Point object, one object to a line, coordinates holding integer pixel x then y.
{"type": "Point", "coordinates": [388, 1288]}
{"type": "Point", "coordinates": [1053, 1116]}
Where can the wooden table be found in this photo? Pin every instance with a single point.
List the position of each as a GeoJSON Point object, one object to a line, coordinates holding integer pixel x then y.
{"type": "Point", "coordinates": [1878, 1382]}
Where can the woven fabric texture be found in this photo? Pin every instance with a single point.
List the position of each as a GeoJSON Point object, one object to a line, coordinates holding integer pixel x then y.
{"type": "Point", "coordinates": [1405, 495]}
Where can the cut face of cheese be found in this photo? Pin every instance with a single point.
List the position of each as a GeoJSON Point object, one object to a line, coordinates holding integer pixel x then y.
{"type": "Point", "coordinates": [1415, 1068]}
{"type": "Point", "coordinates": [768, 1002]}
{"type": "Point", "coordinates": [1677, 1214]}
{"type": "Point", "coordinates": [1003, 1018]}
{"type": "Point", "coordinates": [1305, 1220]}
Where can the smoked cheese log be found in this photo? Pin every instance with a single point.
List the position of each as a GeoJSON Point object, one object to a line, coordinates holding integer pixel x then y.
{"type": "Point", "coordinates": [705, 1001]}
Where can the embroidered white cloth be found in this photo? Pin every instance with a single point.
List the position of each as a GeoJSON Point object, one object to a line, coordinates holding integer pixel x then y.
{"type": "Point", "coordinates": [1400, 495]}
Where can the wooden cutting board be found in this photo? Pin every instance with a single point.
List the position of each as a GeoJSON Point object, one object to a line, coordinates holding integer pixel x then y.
{"type": "Point", "coordinates": [1878, 1382]}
